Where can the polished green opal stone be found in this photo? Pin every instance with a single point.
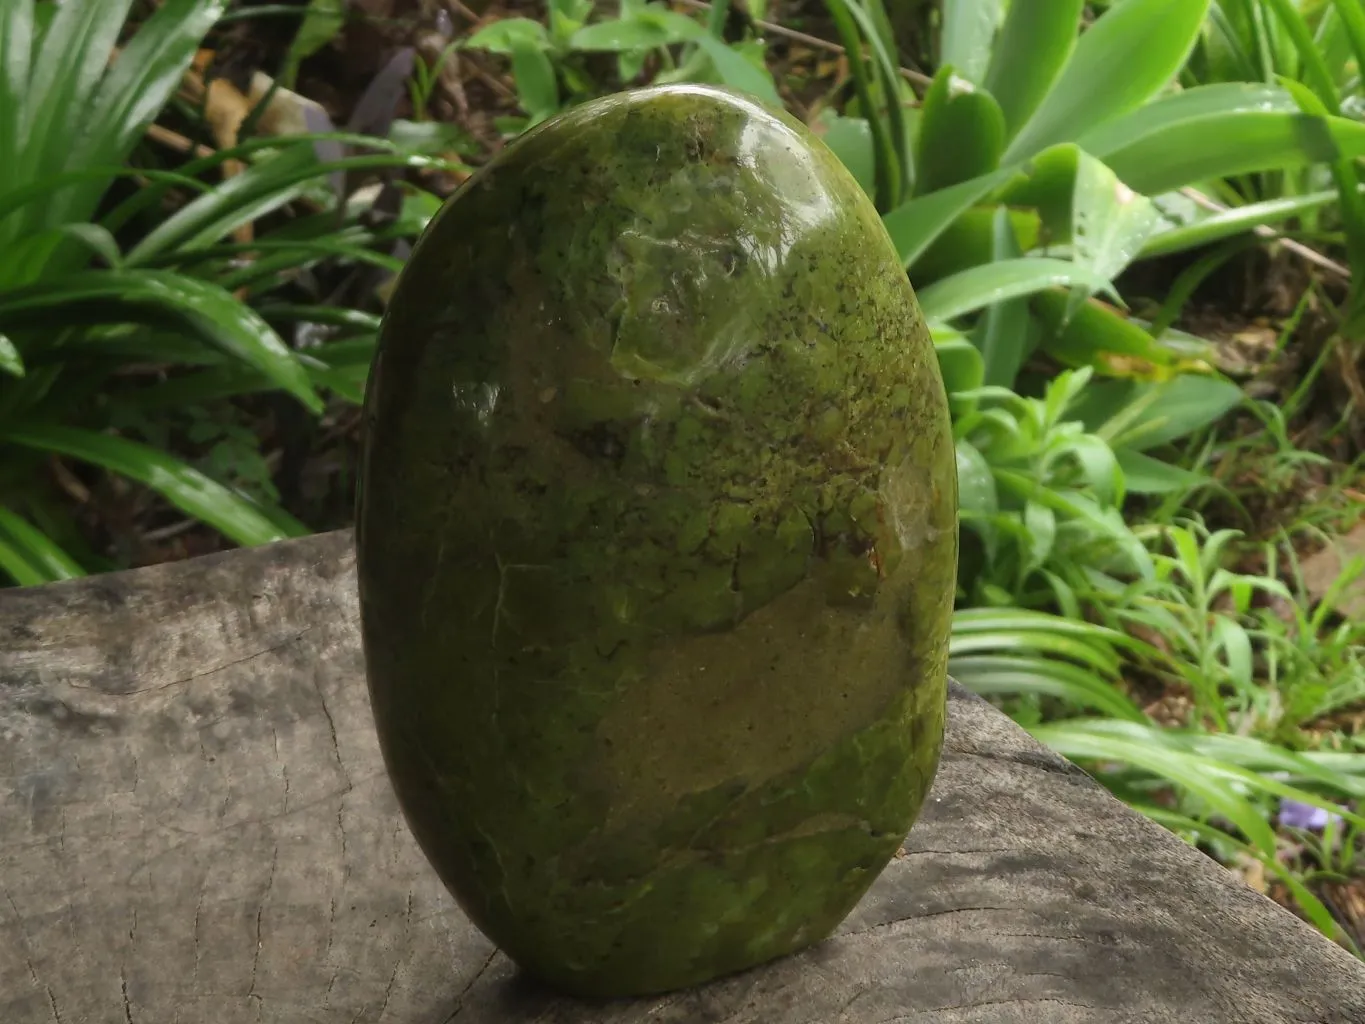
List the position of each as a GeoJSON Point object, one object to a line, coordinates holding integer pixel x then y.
{"type": "Point", "coordinates": [657, 543]}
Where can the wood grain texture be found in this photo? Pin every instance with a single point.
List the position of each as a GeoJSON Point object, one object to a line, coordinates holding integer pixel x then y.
{"type": "Point", "coordinates": [195, 826]}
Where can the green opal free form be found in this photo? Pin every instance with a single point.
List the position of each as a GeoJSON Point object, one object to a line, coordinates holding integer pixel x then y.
{"type": "Point", "coordinates": [657, 541]}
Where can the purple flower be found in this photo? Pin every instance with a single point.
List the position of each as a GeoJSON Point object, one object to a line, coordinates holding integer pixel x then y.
{"type": "Point", "coordinates": [1295, 814]}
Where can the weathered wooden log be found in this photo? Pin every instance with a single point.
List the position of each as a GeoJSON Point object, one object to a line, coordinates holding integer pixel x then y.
{"type": "Point", "coordinates": [195, 826]}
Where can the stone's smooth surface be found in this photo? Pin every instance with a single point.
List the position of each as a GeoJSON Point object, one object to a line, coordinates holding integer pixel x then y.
{"type": "Point", "coordinates": [657, 542]}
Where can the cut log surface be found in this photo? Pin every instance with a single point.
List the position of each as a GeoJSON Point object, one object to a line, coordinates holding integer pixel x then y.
{"type": "Point", "coordinates": [196, 826]}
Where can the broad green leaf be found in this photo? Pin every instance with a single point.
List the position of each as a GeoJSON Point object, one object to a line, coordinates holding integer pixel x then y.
{"type": "Point", "coordinates": [1219, 101]}
{"type": "Point", "coordinates": [1109, 222]}
{"type": "Point", "coordinates": [1214, 227]}
{"type": "Point", "coordinates": [976, 483]}
{"type": "Point", "coordinates": [1169, 410]}
{"type": "Point", "coordinates": [969, 241]}
{"type": "Point", "coordinates": [1126, 57]}
{"type": "Point", "coordinates": [915, 225]}
{"type": "Point", "coordinates": [1034, 45]}
{"type": "Point", "coordinates": [138, 296]}
{"type": "Point", "coordinates": [621, 35]}
{"type": "Point", "coordinates": [1095, 336]}
{"type": "Point", "coordinates": [537, 86]}
{"type": "Point", "coordinates": [973, 289]}
{"type": "Point", "coordinates": [850, 138]}
{"type": "Point", "coordinates": [732, 67]}
{"type": "Point", "coordinates": [960, 364]}
{"type": "Point", "coordinates": [1098, 464]}
{"type": "Point", "coordinates": [501, 36]}
{"type": "Point", "coordinates": [1005, 333]}
{"type": "Point", "coordinates": [10, 362]}
{"type": "Point", "coordinates": [969, 28]}
{"type": "Point", "coordinates": [961, 134]}
{"type": "Point", "coordinates": [240, 519]}
{"type": "Point", "coordinates": [737, 71]}
{"type": "Point", "coordinates": [1143, 474]}
{"type": "Point", "coordinates": [29, 556]}
{"type": "Point", "coordinates": [1217, 146]}
{"type": "Point", "coordinates": [1040, 522]}
{"type": "Point", "coordinates": [1047, 184]}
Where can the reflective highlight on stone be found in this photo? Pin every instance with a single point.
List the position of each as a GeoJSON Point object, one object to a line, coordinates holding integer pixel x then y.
{"type": "Point", "coordinates": [657, 543]}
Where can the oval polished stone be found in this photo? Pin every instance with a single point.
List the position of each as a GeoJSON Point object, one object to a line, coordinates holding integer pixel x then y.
{"type": "Point", "coordinates": [657, 542]}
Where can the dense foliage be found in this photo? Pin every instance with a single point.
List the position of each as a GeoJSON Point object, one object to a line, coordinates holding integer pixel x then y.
{"type": "Point", "coordinates": [1115, 595]}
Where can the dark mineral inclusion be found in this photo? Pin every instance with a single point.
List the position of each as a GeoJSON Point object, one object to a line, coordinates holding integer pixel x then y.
{"type": "Point", "coordinates": [657, 543]}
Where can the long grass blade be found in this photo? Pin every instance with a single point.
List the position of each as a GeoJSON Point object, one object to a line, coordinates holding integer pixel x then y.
{"type": "Point", "coordinates": [237, 517]}
{"type": "Point", "coordinates": [29, 556]}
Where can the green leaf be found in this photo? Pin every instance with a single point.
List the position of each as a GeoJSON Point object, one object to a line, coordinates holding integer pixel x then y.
{"type": "Point", "coordinates": [1144, 41]}
{"type": "Point", "coordinates": [959, 362]}
{"type": "Point", "coordinates": [1352, 204]}
{"type": "Point", "coordinates": [915, 225]}
{"type": "Point", "coordinates": [1314, 66]}
{"type": "Point", "coordinates": [1096, 336]}
{"type": "Point", "coordinates": [1189, 772]}
{"type": "Point", "coordinates": [968, 35]}
{"type": "Point", "coordinates": [1005, 333]}
{"type": "Point", "coordinates": [1040, 522]}
{"type": "Point", "coordinates": [537, 86]}
{"type": "Point", "coordinates": [260, 189]}
{"type": "Point", "coordinates": [1143, 474]}
{"type": "Point", "coordinates": [1169, 410]}
{"type": "Point", "coordinates": [1352, 15]}
{"type": "Point", "coordinates": [10, 361]}
{"type": "Point", "coordinates": [320, 25]}
{"type": "Point", "coordinates": [976, 483]}
{"type": "Point", "coordinates": [972, 289]}
{"type": "Point", "coordinates": [91, 113]}
{"type": "Point", "coordinates": [16, 45]}
{"type": "Point", "coordinates": [143, 77]}
{"type": "Point", "coordinates": [1109, 222]}
{"type": "Point", "coordinates": [242, 520]}
{"type": "Point", "coordinates": [1214, 227]}
{"type": "Point", "coordinates": [69, 59]}
{"type": "Point", "coordinates": [1194, 150]}
{"type": "Point", "coordinates": [1016, 676]}
{"type": "Point", "coordinates": [502, 36]}
{"type": "Point", "coordinates": [621, 35]}
{"type": "Point", "coordinates": [1220, 101]}
{"type": "Point", "coordinates": [961, 134]}
{"type": "Point", "coordinates": [29, 556]}
{"type": "Point", "coordinates": [850, 138]}
{"type": "Point", "coordinates": [140, 296]}
{"type": "Point", "coordinates": [1035, 43]}
{"type": "Point", "coordinates": [734, 70]}
{"type": "Point", "coordinates": [878, 87]}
